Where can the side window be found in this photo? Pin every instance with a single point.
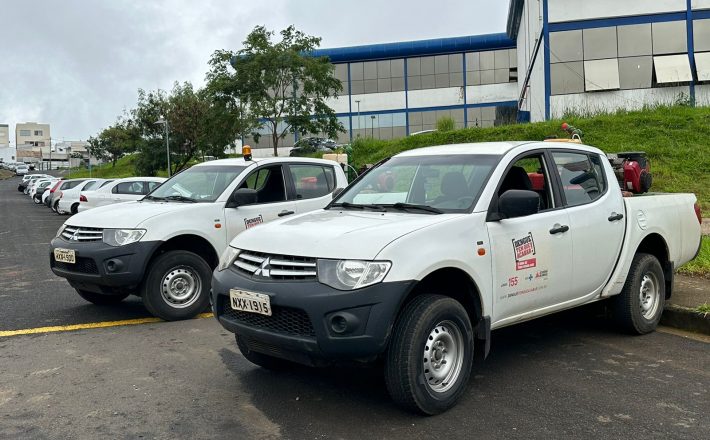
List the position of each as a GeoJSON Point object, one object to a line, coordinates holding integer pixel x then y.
{"type": "Point", "coordinates": [133, 188]}
{"type": "Point", "coordinates": [312, 181]}
{"type": "Point", "coordinates": [268, 183]}
{"type": "Point", "coordinates": [150, 186]}
{"type": "Point", "coordinates": [530, 173]}
{"type": "Point", "coordinates": [582, 182]}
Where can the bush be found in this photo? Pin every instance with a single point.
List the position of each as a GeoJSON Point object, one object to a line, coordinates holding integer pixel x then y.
{"type": "Point", "coordinates": [445, 124]}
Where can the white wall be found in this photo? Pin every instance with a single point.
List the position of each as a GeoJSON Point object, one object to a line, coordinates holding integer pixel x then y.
{"type": "Point", "coordinates": [600, 102]}
{"type": "Point", "coordinates": [571, 10]}
{"type": "Point", "coordinates": [380, 101]}
{"type": "Point", "coordinates": [491, 93]}
{"type": "Point", "coordinates": [435, 97]}
{"type": "Point", "coordinates": [702, 95]}
{"type": "Point", "coordinates": [339, 104]}
{"type": "Point", "coordinates": [8, 154]}
{"type": "Point", "coordinates": [701, 4]}
{"type": "Point", "coordinates": [529, 32]}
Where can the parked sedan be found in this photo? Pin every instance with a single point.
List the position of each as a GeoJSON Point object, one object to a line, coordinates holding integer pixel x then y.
{"type": "Point", "coordinates": [118, 191]}
{"type": "Point", "coordinates": [37, 191]}
{"type": "Point", "coordinates": [66, 185]}
{"type": "Point", "coordinates": [69, 199]}
{"type": "Point", "coordinates": [312, 145]}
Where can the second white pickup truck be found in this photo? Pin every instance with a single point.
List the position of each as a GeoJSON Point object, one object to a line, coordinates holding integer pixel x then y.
{"type": "Point", "coordinates": [419, 259]}
{"type": "Point", "coordinates": [165, 246]}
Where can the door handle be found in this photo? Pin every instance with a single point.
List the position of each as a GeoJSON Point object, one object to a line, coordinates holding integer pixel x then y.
{"type": "Point", "coordinates": [285, 213]}
{"type": "Point", "coordinates": [614, 217]}
{"type": "Point", "coordinates": [557, 229]}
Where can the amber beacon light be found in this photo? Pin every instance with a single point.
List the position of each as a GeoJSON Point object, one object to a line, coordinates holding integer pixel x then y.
{"type": "Point", "coordinates": [246, 152]}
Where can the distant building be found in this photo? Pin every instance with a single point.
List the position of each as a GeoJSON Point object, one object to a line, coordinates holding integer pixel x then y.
{"type": "Point", "coordinates": [33, 134]}
{"type": "Point", "coordinates": [4, 136]}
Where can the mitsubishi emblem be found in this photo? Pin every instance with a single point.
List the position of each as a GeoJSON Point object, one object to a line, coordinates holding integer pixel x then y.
{"type": "Point", "coordinates": [263, 270]}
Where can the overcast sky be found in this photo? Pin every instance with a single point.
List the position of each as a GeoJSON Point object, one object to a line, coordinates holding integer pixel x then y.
{"type": "Point", "coordinates": [77, 64]}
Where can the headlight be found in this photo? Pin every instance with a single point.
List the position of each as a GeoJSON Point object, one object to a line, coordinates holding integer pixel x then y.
{"type": "Point", "coordinates": [227, 258]}
{"type": "Point", "coordinates": [59, 231]}
{"type": "Point", "coordinates": [351, 274]}
{"type": "Point", "coordinates": [122, 237]}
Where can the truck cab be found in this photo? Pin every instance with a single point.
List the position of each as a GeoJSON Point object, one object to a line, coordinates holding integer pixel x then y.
{"type": "Point", "coordinates": [417, 261]}
{"type": "Point", "coordinates": [165, 246]}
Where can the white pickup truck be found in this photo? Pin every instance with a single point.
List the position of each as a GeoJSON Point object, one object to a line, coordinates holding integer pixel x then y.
{"type": "Point", "coordinates": [165, 246]}
{"type": "Point", "coordinates": [419, 259]}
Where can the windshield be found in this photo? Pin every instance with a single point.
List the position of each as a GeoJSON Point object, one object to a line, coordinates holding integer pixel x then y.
{"type": "Point", "coordinates": [198, 184]}
{"type": "Point", "coordinates": [441, 184]}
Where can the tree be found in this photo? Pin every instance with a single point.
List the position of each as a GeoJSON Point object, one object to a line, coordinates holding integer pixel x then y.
{"type": "Point", "coordinates": [115, 141]}
{"type": "Point", "coordinates": [284, 87]}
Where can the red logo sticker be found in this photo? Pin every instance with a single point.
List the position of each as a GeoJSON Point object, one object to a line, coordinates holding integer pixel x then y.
{"type": "Point", "coordinates": [526, 264]}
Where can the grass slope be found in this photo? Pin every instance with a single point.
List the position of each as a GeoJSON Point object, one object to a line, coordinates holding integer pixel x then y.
{"type": "Point", "coordinates": [677, 140]}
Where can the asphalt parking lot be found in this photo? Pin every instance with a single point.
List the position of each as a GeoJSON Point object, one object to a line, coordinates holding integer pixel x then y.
{"type": "Point", "coordinates": [566, 376]}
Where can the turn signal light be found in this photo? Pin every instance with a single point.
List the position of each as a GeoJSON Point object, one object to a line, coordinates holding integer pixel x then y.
{"type": "Point", "coordinates": [698, 213]}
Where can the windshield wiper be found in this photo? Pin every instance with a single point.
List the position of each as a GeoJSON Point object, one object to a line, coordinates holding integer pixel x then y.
{"type": "Point", "coordinates": [409, 206]}
{"type": "Point", "coordinates": [179, 198]}
{"type": "Point", "coordinates": [348, 205]}
{"type": "Point", "coordinates": [153, 198]}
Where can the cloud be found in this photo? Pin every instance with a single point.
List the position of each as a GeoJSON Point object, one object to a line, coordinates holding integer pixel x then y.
{"type": "Point", "coordinates": [78, 64]}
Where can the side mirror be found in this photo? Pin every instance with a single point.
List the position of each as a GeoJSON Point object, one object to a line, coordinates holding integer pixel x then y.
{"type": "Point", "coordinates": [518, 203]}
{"type": "Point", "coordinates": [241, 197]}
{"type": "Point", "coordinates": [337, 191]}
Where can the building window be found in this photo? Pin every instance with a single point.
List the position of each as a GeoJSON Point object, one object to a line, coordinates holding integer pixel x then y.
{"type": "Point", "coordinates": [380, 126]}
{"type": "Point", "coordinates": [491, 116]}
{"type": "Point", "coordinates": [702, 64]}
{"type": "Point", "coordinates": [491, 67]}
{"type": "Point", "coordinates": [701, 35]}
{"type": "Point", "coordinates": [377, 76]}
{"type": "Point", "coordinates": [599, 43]}
{"type": "Point", "coordinates": [635, 72]}
{"type": "Point", "coordinates": [601, 75]}
{"type": "Point", "coordinates": [669, 37]}
{"type": "Point", "coordinates": [341, 74]}
{"type": "Point", "coordinates": [25, 132]}
{"type": "Point", "coordinates": [671, 69]}
{"type": "Point", "coordinates": [567, 78]}
{"type": "Point", "coordinates": [39, 133]}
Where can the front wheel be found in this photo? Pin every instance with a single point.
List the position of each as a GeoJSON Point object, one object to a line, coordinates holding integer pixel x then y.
{"type": "Point", "coordinates": [100, 299]}
{"type": "Point", "coordinates": [37, 199]}
{"type": "Point", "coordinates": [177, 286]}
{"type": "Point", "coordinates": [639, 306]}
{"type": "Point", "coordinates": [429, 359]}
{"type": "Point", "coordinates": [74, 208]}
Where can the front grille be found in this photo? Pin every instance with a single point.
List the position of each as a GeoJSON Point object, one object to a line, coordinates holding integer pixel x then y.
{"type": "Point", "coordinates": [276, 267]}
{"type": "Point", "coordinates": [76, 233]}
{"type": "Point", "coordinates": [82, 265]}
{"type": "Point", "coordinates": [283, 320]}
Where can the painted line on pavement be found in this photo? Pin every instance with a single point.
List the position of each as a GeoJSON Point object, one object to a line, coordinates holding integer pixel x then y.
{"type": "Point", "coordinates": [90, 325]}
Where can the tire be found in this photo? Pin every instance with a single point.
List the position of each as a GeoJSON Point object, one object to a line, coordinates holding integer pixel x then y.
{"type": "Point", "coordinates": [263, 360]}
{"type": "Point", "coordinates": [37, 200]}
{"type": "Point", "coordinates": [74, 209]}
{"type": "Point", "coordinates": [102, 300]}
{"type": "Point", "coordinates": [639, 306]}
{"type": "Point", "coordinates": [19, 188]}
{"type": "Point", "coordinates": [177, 285]}
{"type": "Point", "coordinates": [55, 206]}
{"type": "Point", "coordinates": [426, 321]}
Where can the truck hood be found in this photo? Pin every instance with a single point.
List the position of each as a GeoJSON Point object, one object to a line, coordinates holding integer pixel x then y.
{"type": "Point", "coordinates": [338, 234]}
{"type": "Point", "coordinates": [125, 215]}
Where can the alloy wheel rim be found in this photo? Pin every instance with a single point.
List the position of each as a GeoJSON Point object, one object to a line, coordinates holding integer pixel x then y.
{"type": "Point", "coordinates": [180, 287]}
{"type": "Point", "coordinates": [443, 356]}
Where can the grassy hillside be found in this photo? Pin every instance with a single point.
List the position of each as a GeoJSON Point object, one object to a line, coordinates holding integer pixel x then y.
{"type": "Point", "coordinates": [677, 140]}
{"type": "Point", "coordinates": [125, 167]}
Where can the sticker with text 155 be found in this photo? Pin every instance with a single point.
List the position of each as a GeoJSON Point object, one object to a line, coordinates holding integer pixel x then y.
{"type": "Point", "coordinates": [513, 281]}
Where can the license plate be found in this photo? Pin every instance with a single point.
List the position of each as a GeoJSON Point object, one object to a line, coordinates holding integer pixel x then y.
{"type": "Point", "coordinates": [252, 302]}
{"type": "Point", "coordinates": [65, 256]}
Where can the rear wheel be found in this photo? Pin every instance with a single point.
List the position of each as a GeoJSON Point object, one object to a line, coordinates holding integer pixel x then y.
{"type": "Point", "coordinates": [639, 306]}
{"type": "Point", "coordinates": [74, 208]}
{"type": "Point", "coordinates": [430, 356]}
{"type": "Point", "coordinates": [55, 206]}
{"type": "Point", "coordinates": [177, 285]}
{"type": "Point", "coordinates": [37, 199]}
{"type": "Point", "coordinates": [101, 299]}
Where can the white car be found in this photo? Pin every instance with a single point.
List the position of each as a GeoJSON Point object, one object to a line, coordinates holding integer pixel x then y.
{"type": "Point", "coordinates": [33, 179]}
{"type": "Point", "coordinates": [421, 258]}
{"type": "Point", "coordinates": [40, 188]}
{"type": "Point", "coordinates": [69, 198]}
{"type": "Point", "coordinates": [165, 246]}
{"type": "Point", "coordinates": [21, 170]}
{"type": "Point", "coordinates": [120, 190]}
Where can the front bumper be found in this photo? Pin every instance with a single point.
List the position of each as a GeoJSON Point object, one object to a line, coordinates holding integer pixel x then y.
{"type": "Point", "coordinates": [101, 268]}
{"type": "Point", "coordinates": [301, 327]}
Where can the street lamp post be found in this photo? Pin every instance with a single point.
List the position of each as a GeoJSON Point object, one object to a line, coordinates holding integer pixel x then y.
{"type": "Point", "coordinates": [163, 121]}
{"type": "Point", "coordinates": [357, 101]}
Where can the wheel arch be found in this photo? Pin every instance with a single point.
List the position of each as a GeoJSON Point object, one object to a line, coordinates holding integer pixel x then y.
{"type": "Point", "coordinates": [654, 244]}
{"type": "Point", "coordinates": [188, 242]}
{"type": "Point", "coordinates": [457, 284]}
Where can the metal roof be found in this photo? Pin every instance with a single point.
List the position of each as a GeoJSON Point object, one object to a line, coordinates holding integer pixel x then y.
{"type": "Point", "coordinates": [435, 46]}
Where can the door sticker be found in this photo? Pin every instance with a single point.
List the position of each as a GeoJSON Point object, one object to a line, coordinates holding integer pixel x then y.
{"type": "Point", "coordinates": [524, 248]}
{"type": "Point", "coordinates": [251, 222]}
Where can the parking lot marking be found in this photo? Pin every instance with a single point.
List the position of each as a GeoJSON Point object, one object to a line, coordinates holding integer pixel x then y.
{"type": "Point", "coordinates": [89, 325]}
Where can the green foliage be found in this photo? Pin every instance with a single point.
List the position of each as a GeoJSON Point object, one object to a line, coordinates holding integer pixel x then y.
{"type": "Point", "coordinates": [115, 141]}
{"type": "Point", "coordinates": [701, 264]}
{"type": "Point", "coordinates": [704, 309]}
{"type": "Point", "coordinates": [446, 123]}
{"type": "Point", "coordinates": [124, 167]}
{"type": "Point", "coordinates": [280, 84]}
{"type": "Point", "coordinates": [677, 140]}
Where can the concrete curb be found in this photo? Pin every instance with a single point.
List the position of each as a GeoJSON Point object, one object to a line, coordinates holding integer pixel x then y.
{"type": "Point", "coordinates": [686, 319]}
